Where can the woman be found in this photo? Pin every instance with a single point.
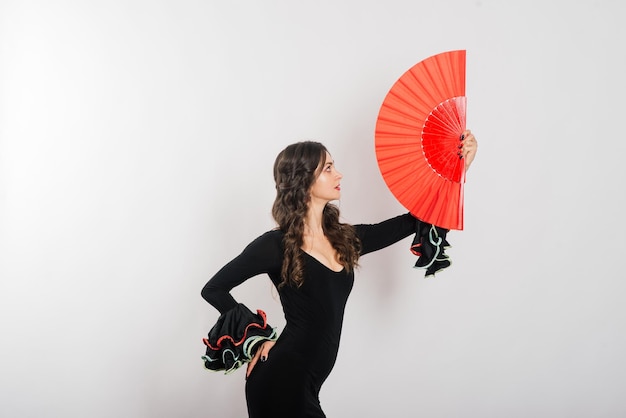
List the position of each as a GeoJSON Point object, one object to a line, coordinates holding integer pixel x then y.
{"type": "Point", "coordinates": [310, 258]}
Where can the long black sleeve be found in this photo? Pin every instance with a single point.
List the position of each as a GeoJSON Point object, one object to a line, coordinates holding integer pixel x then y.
{"type": "Point", "coordinates": [377, 236]}
{"type": "Point", "coordinates": [263, 255]}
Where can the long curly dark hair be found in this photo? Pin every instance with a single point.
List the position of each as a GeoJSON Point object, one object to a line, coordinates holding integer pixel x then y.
{"type": "Point", "coordinates": [295, 170]}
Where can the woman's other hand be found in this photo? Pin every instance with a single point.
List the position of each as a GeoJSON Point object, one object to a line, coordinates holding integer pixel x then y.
{"type": "Point", "coordinates": [469, 146]}
{"type": "Point", "coordinates": [262, 353]}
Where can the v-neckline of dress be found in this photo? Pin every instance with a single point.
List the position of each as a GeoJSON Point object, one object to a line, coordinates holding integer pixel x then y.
{"type": "Point", "coordinates": [322, 264]}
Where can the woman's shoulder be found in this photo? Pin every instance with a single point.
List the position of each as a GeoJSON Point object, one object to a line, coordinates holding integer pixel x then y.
{"type": "Point", "coordinates": [266, 249]}
{"type": "Point", "coordinates": [270, 240]}
{"type": "Point", "coordinates": [272, 235]}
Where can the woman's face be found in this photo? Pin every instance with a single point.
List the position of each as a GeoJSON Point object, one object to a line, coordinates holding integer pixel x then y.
{"type": "Point", "coordinates": [326, 186]}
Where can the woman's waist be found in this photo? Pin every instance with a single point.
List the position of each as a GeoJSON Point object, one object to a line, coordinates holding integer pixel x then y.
{"type": "Point", "coordinates": [313, 356]}
{"type": "Point", "coordinates": [310, 341]}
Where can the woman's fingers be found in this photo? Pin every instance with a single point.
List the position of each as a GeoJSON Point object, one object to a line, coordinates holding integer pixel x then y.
{"type": "Point", "coordinates": [261, 354]}
{"type": "Point", "coordinates": [265, 349]}
{"type": "Point", "coordinates": [252, 362]}
{"type": "Point", "coordinates": [469, 146]}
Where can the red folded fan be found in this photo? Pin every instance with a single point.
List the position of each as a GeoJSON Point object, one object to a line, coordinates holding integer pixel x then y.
{"type": "Point", "coordinates": [417, 139]}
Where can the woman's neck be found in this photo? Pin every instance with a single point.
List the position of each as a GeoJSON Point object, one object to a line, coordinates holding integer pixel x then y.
{"type": "Point", "coordinates": [314, 219]}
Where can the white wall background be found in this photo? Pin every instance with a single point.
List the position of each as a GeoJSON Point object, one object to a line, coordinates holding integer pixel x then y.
{"type": "Point", "coordinates": [136, 145]}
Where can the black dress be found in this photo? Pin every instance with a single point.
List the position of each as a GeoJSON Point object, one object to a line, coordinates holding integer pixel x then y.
{"type": "Point", "coordinates": [288, 383]}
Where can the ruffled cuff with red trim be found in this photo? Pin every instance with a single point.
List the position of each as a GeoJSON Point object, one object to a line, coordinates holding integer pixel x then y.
{"type": "Point", "coordinates": [235, 337]}
{"type": "Point", "coordinates": [430, 245]}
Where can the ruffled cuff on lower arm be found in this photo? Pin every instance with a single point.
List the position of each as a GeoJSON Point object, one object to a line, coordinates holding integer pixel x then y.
{"type": "Point", "coordinates": [429, 245]}
{"type": "Point", "coordinates": [235, 337]}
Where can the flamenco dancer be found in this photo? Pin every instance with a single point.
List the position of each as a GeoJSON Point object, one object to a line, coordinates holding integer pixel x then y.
{"type": "Point", "coordinates": [310, 258]}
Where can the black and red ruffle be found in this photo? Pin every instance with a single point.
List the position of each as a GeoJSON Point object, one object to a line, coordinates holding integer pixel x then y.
{"type": "Point", "coordinates": [430, 244]}
{"type": "Point", "coordinates": [235, 337]}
